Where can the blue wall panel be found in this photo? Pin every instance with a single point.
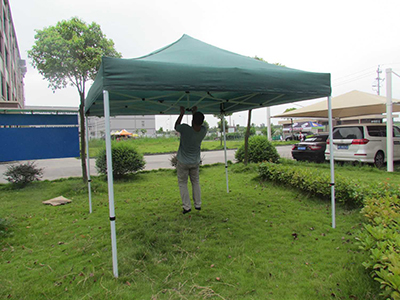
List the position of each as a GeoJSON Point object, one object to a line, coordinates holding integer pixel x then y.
{"type": "Point", "coordinates": [25, 119]}
{"type": "Point", "coordinates": [38, 143]}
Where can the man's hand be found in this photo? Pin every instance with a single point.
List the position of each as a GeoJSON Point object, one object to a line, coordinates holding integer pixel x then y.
{"type": "Point", "coordinates": [179, 120]}
{"type": "Point", "coordinates": [182, 110]}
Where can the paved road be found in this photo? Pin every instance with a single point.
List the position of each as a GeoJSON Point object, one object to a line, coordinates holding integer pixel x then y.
{"type": "Point", "coordinates": [71, 167]}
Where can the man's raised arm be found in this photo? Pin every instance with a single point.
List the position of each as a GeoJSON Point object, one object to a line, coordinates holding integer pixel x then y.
{"type": "Point", "coordinates": [179, 120]}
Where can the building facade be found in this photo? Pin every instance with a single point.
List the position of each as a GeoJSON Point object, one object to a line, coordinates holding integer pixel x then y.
{"type": "Point", "coordinates": [142, 125]}
{"type": "Point", "coordinates": [12, 67]}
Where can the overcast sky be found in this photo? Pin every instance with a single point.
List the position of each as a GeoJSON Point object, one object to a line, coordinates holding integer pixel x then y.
{"type": "Point", "coordinates": [347, 38]}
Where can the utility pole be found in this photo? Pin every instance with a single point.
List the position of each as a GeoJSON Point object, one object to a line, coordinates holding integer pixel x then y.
{"type": "Point", "coordinates": [378, 79]}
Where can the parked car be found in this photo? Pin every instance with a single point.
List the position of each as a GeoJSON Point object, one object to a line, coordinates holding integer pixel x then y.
{"type": "Point", "coordinates": [312, 149]}
{"type": "Point", "coordinates": [364, 143]}
{"type": "Point", "coordinates": [296, 136]}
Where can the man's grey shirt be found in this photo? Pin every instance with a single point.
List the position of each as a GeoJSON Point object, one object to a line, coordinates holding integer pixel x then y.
{"type": "Point", "coordinates": [190, 144]}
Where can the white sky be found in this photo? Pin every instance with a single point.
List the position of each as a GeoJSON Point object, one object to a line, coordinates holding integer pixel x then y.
{"type": "Point", "coordinates": [347, 38]}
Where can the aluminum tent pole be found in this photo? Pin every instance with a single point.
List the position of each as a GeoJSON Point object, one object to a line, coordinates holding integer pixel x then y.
{"type": "Point", "coordinates": [88, 165]}
{"type": "Point", "coordinates": [110, 180]}
{"type": "Point", "coordinates": [332, 162]}
{"type": "Point", "coordinates": [389, 121]}
{"type": "Point", "coordinates": [226, 161]}
{"type": "Point", "coordinates": [269, 124]}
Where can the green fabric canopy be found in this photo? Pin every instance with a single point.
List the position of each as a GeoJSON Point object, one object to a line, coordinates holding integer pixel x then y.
{"type": "Point", "coordinates": [192, 73]}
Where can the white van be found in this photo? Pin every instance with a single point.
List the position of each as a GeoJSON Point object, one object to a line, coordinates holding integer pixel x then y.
{"type": "Point", "coordinates": [364, 143]}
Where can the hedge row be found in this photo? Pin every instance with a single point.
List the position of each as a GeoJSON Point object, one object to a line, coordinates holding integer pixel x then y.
{"type": "Point", "coordinates": [381, 240]}
{"type": "Point", "coordinates": [317, 183]}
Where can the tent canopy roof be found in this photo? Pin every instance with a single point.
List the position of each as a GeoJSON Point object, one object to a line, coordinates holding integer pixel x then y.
{"type": "Point", "coordinates": [354, 103]}
{"type": "Point", "coordinates": [191, 73]}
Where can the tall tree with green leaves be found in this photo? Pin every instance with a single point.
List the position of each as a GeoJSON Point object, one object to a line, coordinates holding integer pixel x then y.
{"type": "Point", "coordinates": [69, 54]}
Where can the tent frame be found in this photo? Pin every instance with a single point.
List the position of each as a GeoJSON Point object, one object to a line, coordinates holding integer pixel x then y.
{"type": "Point", "coordinates": [110, 179]}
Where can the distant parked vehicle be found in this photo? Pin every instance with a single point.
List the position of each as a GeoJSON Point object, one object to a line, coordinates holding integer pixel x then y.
{"type": "Point", "coordinates": [311, 149]}
{"type": "Point", "coordinates": [296, 136]}
{"type": "Point", "coordinates": [364, 143]}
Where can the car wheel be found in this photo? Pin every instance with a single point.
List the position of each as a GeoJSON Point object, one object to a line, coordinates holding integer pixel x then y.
{"type": "Point", "coordinates": [379, 159]}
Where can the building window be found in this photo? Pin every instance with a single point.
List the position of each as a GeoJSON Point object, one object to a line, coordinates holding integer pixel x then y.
{"type": "Point", "coordinates": [8, 93]}
{"type": "Point", "coordinates": [2, 86]}
{"type": "Point", "coordinates": [143, 124]}
{"type": "Point", "coordinates": [6, 59]}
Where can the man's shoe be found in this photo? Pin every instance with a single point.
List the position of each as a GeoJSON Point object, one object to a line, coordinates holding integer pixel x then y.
{"type": "Point", "coordinates": [198, 208]}
{"type": "Point", "coordinates": [186, 211]}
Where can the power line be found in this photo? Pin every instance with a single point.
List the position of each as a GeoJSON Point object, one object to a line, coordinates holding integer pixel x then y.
{"type": "Point", "coordinates": [353, 74]}
{"type": "Point", "coordinates": [354, 79]}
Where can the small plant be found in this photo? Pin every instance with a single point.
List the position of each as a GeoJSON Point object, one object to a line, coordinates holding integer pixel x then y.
{"type": "Point", "coordinates": [260, 149]}
{"type": "Point", "coordinates": [173, 160]}
{"type": "Point", "coordinates": [125, 160]}
{"type": "Point", "coordinates": [23, 174]}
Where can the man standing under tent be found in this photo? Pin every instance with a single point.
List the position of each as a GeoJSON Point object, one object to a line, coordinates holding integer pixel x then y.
{"type": "Point", "coordinates": [189, 157]}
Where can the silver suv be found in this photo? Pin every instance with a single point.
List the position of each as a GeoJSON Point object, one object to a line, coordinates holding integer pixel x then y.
{"type": "Point", "coordinates": [363, 143]}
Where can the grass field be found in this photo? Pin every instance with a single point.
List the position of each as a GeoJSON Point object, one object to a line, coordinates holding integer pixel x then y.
{"type": "Point", "coordinates": [360, 172]}
{"type": "Point", "coordinates": [260, 241]}
{"type": "Point", "coordinates": [167, 145]}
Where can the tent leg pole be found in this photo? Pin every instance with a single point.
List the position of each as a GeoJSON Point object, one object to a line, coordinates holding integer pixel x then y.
{"type": "Point", "coordinates": [110, 180]}
{"type": "Point", "coordinates": [332, 162]}
{"type": "Point", "coordinates": [88, 165]}
{"type": "Point", "coordinates": [389, 121]}
{"type": "Point", "coordinates": [269, 124]}
{"type": "Point", "coordinates": [226, 160]}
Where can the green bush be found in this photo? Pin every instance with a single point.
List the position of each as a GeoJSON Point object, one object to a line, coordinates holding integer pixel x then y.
{"type": "Point", "coordinates": [23, 174]}
{"type": "Point", "coordinates": [125, 160]}
{"type": "Point", "coordinates": [382, 241]}
{"type": "Point", "coordinates": [260, 149]}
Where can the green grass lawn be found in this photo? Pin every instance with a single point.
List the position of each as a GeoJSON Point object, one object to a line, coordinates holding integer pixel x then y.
{"type": "Point", "coordinates": [360, 172]}
{"type": "Point", "coordinates": [260, 241]}
{"type": "Point", "coordinates": [168, 145]}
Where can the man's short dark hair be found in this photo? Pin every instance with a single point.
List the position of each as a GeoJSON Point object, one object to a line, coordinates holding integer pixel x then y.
{"type": "Point", "coordinates": [198, 118]}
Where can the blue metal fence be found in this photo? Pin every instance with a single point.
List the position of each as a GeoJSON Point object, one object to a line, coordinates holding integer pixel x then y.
{"type": "Point", "coordinates": [38, 136]}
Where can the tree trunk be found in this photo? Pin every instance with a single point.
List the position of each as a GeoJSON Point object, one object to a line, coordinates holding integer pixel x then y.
{"type": "Point", "coordinates": [246, 140]}
{"type": "Point", "coordinates": [83, 136]}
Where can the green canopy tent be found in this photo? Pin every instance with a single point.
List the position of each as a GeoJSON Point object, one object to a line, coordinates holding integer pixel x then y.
{"type": "Point", "coordinates": [192, 73]}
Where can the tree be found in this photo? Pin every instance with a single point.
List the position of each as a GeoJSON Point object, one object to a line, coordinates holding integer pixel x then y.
{"type": "Point", "coordinates": [246, 140]}
{"type": "Point", "coordinates": [206, 125]}
{"type": "Point", "coordinates": [253, 129]}
{"type": "Point", "coordinates": [220, 124]}
{"type": "Point", "coordinates": [262, 59]}
{"type": "Point", "coordinates": [143, 131]}
{"type": "Point", "coordinates": [70, 53]}
{"type": "Point", "coordinates": [290, 109]}
{"type": "Point", "coordinates": [264, 131]}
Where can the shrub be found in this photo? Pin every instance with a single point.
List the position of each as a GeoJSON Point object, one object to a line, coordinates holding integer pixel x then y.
{"type": "Point", "coordinates": [23, 174]}
{"type": "Point", "coordinates": [316, 182]}
{"type": "Point", "coordinates": [260, 149]}
{"type": "Point", "coordinates": [173, 160]}
{"type": "Point", "coordinates": [381, 241]}
{"type": "Point", "coordinates": [125, 160]}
